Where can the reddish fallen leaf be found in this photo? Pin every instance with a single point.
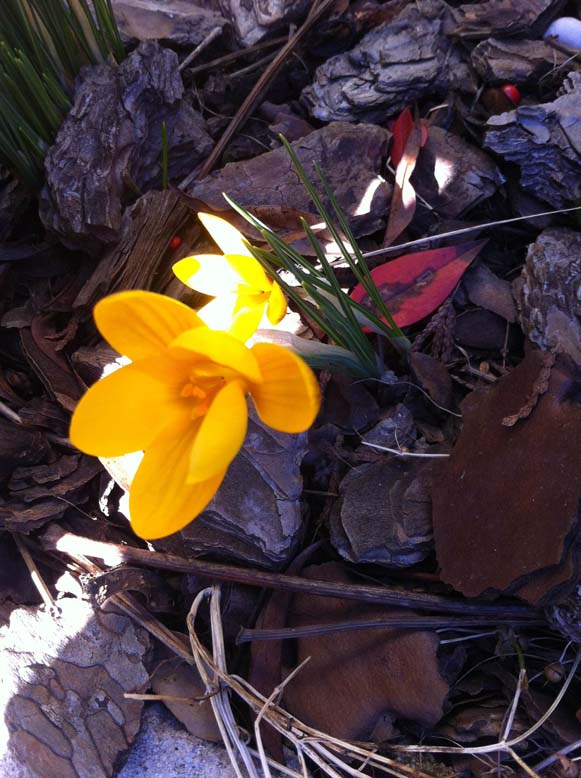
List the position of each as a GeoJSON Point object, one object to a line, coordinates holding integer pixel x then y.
{"type": "Point", "coordinates": [401, 131]}
{"type": "Point", "coordinates": [415, 285]}
{"type": "Point", "coordinates": [403, 202]}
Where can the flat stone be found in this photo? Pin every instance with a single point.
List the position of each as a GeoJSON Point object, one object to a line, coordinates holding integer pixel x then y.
{"type": "Point", "coordinates": [181, 22]}
{"type": "Point", "coordinates": [384, 514]}
{"type": "Point", "coordinates": [498, 61]}
{"type": "Point", "coordinates": [490, 292]}
{"type": "Point", "coordinates": [363, 194]}
{"type": "Point", "coordinates": [164, 749]}
{"type": "Point", "coordinates": [453, 175]}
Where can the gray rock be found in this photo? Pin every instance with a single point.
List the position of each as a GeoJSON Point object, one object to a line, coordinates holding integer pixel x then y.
{"type": "Point", "coordinates": [255, 516]}
{"type": "Point", "coordinates": [548, 292]}
{"type": "Point", "coordinates": [110, 144]}
{"type": "Point", "coordinates": [352, 159]}
{"type": "Point", "coordinates": [502, 18]}
{"type": "Point", "coordinates": [516, 61]}
{"type": "Point", "coordinates": [453, 175]}
{"type": "Point", "coordinates": [180, 22]}
{"type": "Point", "coordinates": [393, 65]}
{"type": "Point", "coordinates": [164, 749]}
{"type": "Point", "coordinates": [384, 515]}
{"type": "Point", "coordinates": [489, 291]}
{"type": "Point", "coordinates": [396, 429]}
{"type": "Point", "coordinates": [253, 20]}
{"type": "Point", "coordinates": [545, 142]}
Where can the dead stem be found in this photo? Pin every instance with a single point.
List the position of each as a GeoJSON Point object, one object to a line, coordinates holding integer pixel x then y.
{"type": "Point", "coordinates": [35, 575]}
{"type": "Point", "coordinates": [310, 630]}
{"type": "Point", "coordinates": [56, 539]}
{"type": "Point", "coordinates": [257, 91]}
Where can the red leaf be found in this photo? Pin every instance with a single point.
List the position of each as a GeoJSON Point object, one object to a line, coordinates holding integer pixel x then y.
{"type": "Point", "coordinates": [403, 201]}
{"type": "Point", "coordinates": [413, 134]}
{"type": "Point", "coordinates": [401, 130]}
{"type": "Point", "coordinates": [415, 285]}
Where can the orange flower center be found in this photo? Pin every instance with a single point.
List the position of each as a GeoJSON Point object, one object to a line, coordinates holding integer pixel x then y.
{"type": "Point", "coordinates": [200, 391]}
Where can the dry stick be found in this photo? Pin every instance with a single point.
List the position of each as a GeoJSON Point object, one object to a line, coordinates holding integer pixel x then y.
{"type": "Point", "coordinates": [394, 622]}
{"type": "Point", "coordinates": [462, 231]}
{"type": "Point", "coordinates": [35, 575]}
{"type": "Point", "coordinates": [200, 48]}
{"type": "Point", "coordinates": [257, 91]}
{"type": "Point", "coordinates": [226, 59]}
{"type": "Point", "coordinates": [56, 539]}
{"type": "Point", "coordinates": [300, 735]}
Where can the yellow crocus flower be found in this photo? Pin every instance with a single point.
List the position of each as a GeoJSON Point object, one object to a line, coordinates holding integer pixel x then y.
{"type": "Point", "coordinates": [182, 401]}
{"type": "Point", "coordinates": [244, 292]}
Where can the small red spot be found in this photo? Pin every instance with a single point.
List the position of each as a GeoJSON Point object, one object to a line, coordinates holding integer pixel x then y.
{"type": "Point", "coordinates": [175, 242]}
{"type": "Point", "coordinates": [511, 92]}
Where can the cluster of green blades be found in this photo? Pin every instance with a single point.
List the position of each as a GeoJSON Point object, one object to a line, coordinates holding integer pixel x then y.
{"type": "Point", "coordinates": [319, 294]}
{"type": "Point", "coordinates": [43, 45]}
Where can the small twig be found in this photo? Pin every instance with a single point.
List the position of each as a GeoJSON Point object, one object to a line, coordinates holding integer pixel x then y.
{"type": "Point", "coordinates": [463, 231]}
{"type": "Point", "coordinates": [275, 694]}
{"type": "Point", "coordinates": [226, 59]}
{"type": "Point", "coordinates": [216, 32]}
{"type": "Point", "coordinates": [393, 622]}
{"type": "Point", "coordinates": [168, 698]}
{"type": "Point", "coordinates": [35, 575]}
{"type": "Point", "coordinates": [513, 708]}
{"type": "Point", "coordinates": [257, 91]}
{"type": "Point", "coordinates": [252, 67]}
{"type": "Point", "coordinates": [9, 413]}
{"type": "Point", "coordinates": [398, 453]}
{"type": "Point", "coordinates": [220, 701]}
{"type": "Point", "coordinates": [554, 757]}
{"type": "Point", "coordinates": [58, 540]}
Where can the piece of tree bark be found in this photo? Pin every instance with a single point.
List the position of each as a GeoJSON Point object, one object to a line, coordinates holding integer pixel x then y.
{"type": "Point", "coordinates": [548, 292]}
{"type": "Point", "coordinates": [64, 675]}
{"type": "Point", "coordinates": [110, 145]}
{"type": "Point", "coordinates": [395, 64]}
{"type": "Point", "coordinates": [545, 142]}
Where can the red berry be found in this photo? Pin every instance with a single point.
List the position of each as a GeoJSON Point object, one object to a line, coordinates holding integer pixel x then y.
{"type": "Point", "coordinates": [175, 242]}
{"type": "Point", "coordinates": [511, 92]}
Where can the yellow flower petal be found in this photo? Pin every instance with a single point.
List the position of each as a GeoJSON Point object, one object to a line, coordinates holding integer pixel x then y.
{"type": "Point", "coordinates": [122, 413]}
{"type": "Point", "coordinates": [210, 274]}
{"type": "Point", "coordinates": [276, 305]}
{"type": "Point", "coordinates": [219, 347]}
{"type": "Point", "coordinates": [224, 235]}
{"type": "Point", "coordinates": [288, 399]}
{"type": "Point", "coordinates": [246, 322]}
{"type": "Point", "coordinates": [221, 434]}
{"type": "Point", "coordinates": [142, 324]}
{"type": "Point", "coordinates": [160, 499]}
{"type": "Point", "coordinates": [250, 271]}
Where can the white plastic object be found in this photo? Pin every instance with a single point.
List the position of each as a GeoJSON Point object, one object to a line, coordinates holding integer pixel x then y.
{"type": "Point", "coordinates": [566, 31]}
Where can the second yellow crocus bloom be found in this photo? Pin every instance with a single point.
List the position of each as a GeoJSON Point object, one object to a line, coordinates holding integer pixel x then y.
{"type": "Point", "coordinates": [244, 292]}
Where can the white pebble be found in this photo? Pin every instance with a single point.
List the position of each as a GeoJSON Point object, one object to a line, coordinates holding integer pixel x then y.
{"type": "Point", "coordinates": [566, 30]}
